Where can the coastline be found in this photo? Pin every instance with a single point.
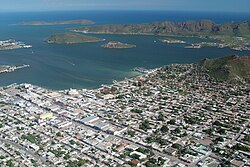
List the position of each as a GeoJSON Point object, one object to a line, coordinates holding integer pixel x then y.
{"type": "Point", "coordinates": [101, 107]}
{"type": "Point", "coordinates": [139, 105]}
{"type": "Point", "coordinates": [139, 74]}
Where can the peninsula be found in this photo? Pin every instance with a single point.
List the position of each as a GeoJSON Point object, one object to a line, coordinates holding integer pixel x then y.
{"type": "Point", "coordinates": [118, 45]}
{"type": "Point", "coordinates": [232, 35]}
{"type": "Point", "coordinates": [46, 23]}
{"type": "Point", "coordinates": [12, 44]}
{"type": "Point", "coordinates": [7, 68]}
{"type": "Point", "coordinates": [71, 38]}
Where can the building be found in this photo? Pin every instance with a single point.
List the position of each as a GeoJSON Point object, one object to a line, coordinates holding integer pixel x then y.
{"type": "Point", "coordinates": [46, 116]}
{"type": "Point", "coordinates": [101, 125]}
{"type": "Point", "coordinates": [89, 119]}
{"type": "Point", "coordinates": [116, 131]}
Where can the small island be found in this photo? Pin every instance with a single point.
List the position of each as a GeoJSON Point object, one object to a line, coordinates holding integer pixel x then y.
{"type": "Point", "coordinates": [118, 45]}
{"type": "Point", "coordinates": [234, 35]}
{"type": "Point", "coordinates": [71, 38]}
{"type": "Point", "coordinates": [12, 44]}
{"type": "Point", "coordinates": [172, 41]}
{"type": "Point", "coordinates": [46, 23]}
{"type": "Point", "coordinates": [7, 68]}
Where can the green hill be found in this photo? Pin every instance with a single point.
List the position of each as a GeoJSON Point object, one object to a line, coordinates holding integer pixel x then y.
{"type": "Point", "coordinates": [228, 68]}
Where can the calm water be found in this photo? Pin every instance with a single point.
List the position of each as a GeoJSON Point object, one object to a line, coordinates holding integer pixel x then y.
{"type": "Point", "coordinates": [89, 65]}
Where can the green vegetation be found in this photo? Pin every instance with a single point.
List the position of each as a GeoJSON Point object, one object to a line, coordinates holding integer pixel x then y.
{"type": "Point", "coordinates": [241, 147]}
{"type": "Point", "coordinates": [131, 133]}
{"type": "Point", "coordinates": [172, 122]}
{"type": "Point", "coordinates": [246, 138]}
{"type": "Point", "coordinates": [164, 129]}
{"type": "Point", "coordinates": [177, 130]}
{"type": "Point", "coordinates": [161, 117]}
{"type": "Point", "coordinates": [138, 111]}
{"type": "Point", "coordinates": [58, 134]}
{"type": "Point", "coordinates": [191, 120]}
{"type": "Point", "coordinates": [143, 150]}
{"type": "Point", "coordinates": [219, 139]}
{"type": "Point", "coordinates": [144, 125]}
{"type": "Point", "coordinates": [31, 138]}
{"type": "Point", "coordinates": [135, 156]}
{"type": "Point", "coordinates": [71, 38]}
{"type": "Point", "coordinates": [9, 163]}
{"type": "Point", "coordinates": [228, 68]}
{"type": "Point", "coordinates": [157, 139]}
{"type": "Point", "coordinates": [152, 162]}
{"type": "Point", "coordinates": [78, 162]}
{"type": "Point", "coordinates": [177, 146]}
{"type": "Point", "coordinates": [57, 153]}
{"type": "Point", "coordinates": [66, 157]}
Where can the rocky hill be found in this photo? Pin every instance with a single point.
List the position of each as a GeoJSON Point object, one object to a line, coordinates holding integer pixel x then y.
{"type": "Point", "coordinates": [71, 38]}
{"type": "Point", "coordinates": [192, 28]}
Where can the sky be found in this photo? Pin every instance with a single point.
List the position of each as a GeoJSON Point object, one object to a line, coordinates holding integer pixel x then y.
{"type": "Point", "coordinates": [168, 5]}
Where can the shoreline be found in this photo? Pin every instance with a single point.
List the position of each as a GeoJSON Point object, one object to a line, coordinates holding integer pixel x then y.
{"type": "Point", "coordinates": [140, 74]}
{"type": "Point", "coordinates": [130, 112]}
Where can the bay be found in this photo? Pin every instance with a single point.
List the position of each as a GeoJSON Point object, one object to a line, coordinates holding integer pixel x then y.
{"type": "Point", "coordinates": [88, 65]}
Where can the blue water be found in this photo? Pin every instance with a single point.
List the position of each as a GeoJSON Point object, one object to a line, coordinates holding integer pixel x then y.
{"type": "Point", "coordinates": [88, 65]}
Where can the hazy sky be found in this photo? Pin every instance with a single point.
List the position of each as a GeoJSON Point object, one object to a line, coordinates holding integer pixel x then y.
{"type": "Point", "coordinates": [175, 5]}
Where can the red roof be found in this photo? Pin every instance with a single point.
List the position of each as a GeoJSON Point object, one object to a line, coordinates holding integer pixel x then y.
{"type": "Point", "coordinates": [134, 161]}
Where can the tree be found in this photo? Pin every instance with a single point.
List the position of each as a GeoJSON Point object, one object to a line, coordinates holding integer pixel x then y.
{"type": "Point", "coordinates": [222, 131]}
{"type": "Point", "coordinates": [135, 156]}
{"type": "Point", "coordinates": [144, 125]}
{"type": "Point", "coordinates": [219, 139]}
{"type": "Point", "coordinates": [160, 117]}
{"type": "Point", "coordinates": [138, 111]}
{"type": "Point", "coordinates": [246, 138]}
{"type": "Point", "coordinates": [81, 161]}
{"type": "Point", "coordinates": [217, 123]}
{"type": "Point", "coordinates": [164, 129]}
{"type": "Point", "coordinates": [58, 134]}
{"type": "Point", "coordinates": [161, 161]}
{"type": "Point", "coordinates": [177, 130]}
{"type": "Point", "coordinates": [131, 133]}
{"type": "Point", "coordinates": [9, 163]}
{"type": "Point", "coordinates": [241, 147]}
{"type": "Point", "coordinates": [66, 157]}
{"type": "Point", "coordinates": [163, 142]}
{"type": "Point", "coordinates": [177, 146]}
{"type": "Point", "coordinates": [172, 121]}
{"type": "Point", "coordinates": [209, 131]}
